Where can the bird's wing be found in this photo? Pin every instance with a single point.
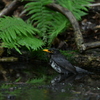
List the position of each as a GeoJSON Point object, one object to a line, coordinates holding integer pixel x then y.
{"type": "Point", "coordinates": [64, 63]}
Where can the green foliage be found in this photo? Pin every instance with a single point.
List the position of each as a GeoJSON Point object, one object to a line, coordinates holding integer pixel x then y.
{"type": "Point", "coordinates": [69, 54]}
{"type": "Point", "coordinates": [38, 80]}
{"type": "Point", "coordinates": [51, 23]}
{"type": "Point", "coordinates": [76, 6]}
{"type": "Point", "coordinates": [7, 87]}
{"type": "Point", "coordinates": [13, 88]}
{"type": "Point", "coordinates": [14, 32]}
{"type": "Point", "coordinates": [59, 24]}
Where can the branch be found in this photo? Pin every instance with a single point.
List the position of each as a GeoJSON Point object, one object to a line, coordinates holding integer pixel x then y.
{"type": "Point", "coordinates": [95, 4]}
{"type": "Point", "coordinates": [78, 35]}
{"type": "Point", "coordinates": [8, 59]}
{"type": "Point", "coordinates": [92, 45]}
{"type": "Point", "coordinates": [10, 8]}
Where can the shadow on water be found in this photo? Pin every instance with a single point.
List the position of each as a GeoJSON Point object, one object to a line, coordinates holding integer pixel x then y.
{"type": "Point", "coordinates": [37, 81]}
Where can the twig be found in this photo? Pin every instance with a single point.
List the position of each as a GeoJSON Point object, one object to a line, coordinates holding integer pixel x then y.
{"type": "Point", "coordinates": [92, 45]}
{"type": "Point", "coordinates": [22, 13]}
{"type": "Point", "coordinates": [95, 4]}
{"type": "Point", "coordinates": [10, 8]}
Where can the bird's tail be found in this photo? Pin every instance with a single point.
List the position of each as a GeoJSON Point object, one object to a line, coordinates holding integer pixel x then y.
{"type": "Point", "coordinates": [82, 71]}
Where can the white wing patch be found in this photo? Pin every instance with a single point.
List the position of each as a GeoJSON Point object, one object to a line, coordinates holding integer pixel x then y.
{"type": "Point", "coordinates": [55, 66]}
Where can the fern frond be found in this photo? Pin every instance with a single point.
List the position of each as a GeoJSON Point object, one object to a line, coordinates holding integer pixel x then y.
{"type": "Point", "coordinates": [76, 6]}
{"type": "Point", "coordinates": [30, 42]}
{"type": "Point", "coordinates": [60, 24]}
{"type": "Point", "coordinates": [39, 80]}
{"type": "Point", "coordinates": [51, 23]}
{"type": "Point", "coordinates": [14, 32]}
{"type": "Point", "coordinates": [41, 15]}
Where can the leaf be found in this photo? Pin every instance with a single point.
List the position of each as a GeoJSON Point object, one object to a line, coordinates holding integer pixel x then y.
{"type": "Point", "coordinates": [14, 32]}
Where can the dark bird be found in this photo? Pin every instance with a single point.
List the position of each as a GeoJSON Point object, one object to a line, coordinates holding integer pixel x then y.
{"type": "Point", "coordinates": [59, 63]}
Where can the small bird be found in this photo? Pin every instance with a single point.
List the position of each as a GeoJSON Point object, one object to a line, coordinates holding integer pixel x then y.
{"type": "Point", "coordinates": [60, 64]}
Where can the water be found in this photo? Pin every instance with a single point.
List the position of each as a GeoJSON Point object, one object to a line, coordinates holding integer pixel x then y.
{"type": "Point", "coordinates": [37, 81]}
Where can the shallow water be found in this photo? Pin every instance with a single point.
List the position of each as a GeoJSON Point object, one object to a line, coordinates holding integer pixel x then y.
{"type": "Point", "coordinates": [17, 83]}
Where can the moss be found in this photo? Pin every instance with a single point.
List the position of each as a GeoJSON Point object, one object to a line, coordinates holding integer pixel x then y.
{"type": "Point", "coordinates": [69, 54]}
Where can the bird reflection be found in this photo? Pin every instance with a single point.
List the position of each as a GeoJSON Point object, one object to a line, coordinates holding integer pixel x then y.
{"type": "Point", "coordinates": [66, 78]}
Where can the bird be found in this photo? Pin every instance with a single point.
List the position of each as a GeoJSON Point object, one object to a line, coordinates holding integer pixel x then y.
{"type": "Point", "coordinates": [60, 64]}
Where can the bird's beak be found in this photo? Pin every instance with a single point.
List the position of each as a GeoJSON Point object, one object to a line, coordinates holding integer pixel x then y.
{"type": "Point", "coordinates": [46, 50]}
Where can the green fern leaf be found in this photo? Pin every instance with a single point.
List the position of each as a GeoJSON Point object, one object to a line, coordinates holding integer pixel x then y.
{"type": "Point", "coordinates": [41, 15]}
{"type": "Point", "coordinates": [14, 32]}
{"type": "Point", "coordinates": [51, 23]}
{"type": "Point", "coordinates": [75, 6]}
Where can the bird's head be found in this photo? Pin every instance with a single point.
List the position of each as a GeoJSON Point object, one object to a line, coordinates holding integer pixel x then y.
{"type": "Point", "coordinates": [51, 51]}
